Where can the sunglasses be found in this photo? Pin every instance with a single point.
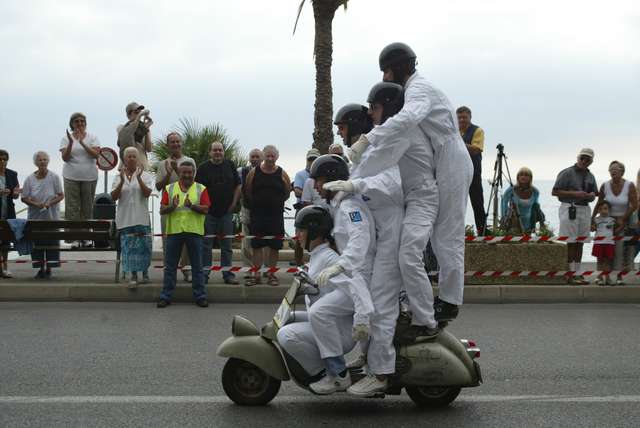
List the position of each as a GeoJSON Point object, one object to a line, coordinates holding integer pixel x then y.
{"type": "Point", "coordinates": [585, 158]}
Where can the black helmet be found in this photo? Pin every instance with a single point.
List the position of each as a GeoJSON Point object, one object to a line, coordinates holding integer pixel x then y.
{"type": "Point", "coordinates": [316, 220]}
{"type": "Point", "coordinates": [390, 95]}
{"type": "Point", "coordinates": [395, 54]}
{"type": "Point", "coordinates": [356, 117]}
{"type": "Point", "coordinates": [332, 167]}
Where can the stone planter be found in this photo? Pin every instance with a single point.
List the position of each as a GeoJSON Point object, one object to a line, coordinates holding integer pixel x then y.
{"type": "Point", "coordinates": [515, 256]}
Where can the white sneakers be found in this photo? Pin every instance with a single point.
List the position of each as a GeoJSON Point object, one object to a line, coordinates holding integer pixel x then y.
{"type": "Point", "coordinates": [330, 384]}
{"type": "Point", "coordinates": [368, 386]}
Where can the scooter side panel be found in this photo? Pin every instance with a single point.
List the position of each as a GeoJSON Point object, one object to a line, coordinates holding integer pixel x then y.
{"type": "Point", "coordinates": [440, 362]}
{"type": "Point", "coordinates": [257, 351]}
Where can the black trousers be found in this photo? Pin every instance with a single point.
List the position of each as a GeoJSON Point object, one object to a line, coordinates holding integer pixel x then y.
{"type": "Point", "coordinates": [477, 196]}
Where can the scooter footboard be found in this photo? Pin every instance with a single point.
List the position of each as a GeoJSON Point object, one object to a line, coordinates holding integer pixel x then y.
{"type": "Point", "coordinates": [439, 362]}
{"type": "Point", "coordinates": [257, 351]}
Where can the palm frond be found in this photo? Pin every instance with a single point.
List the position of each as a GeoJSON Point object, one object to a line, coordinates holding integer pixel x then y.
{"type": "Point", "coordinates": [197, 139]}
{"type": "Point", "coordinates": [298, 16]}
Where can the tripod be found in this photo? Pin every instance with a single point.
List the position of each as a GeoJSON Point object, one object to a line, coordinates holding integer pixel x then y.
{"type": "Point", "coordinates": [496, 185]}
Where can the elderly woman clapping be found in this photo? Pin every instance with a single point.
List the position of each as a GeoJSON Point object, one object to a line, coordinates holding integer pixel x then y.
{"type": "Point", "coordinates": [42, 192]}
{"type": "Point", "coordinates": [132, 189]}
{"type": "Point", "coordinates": [79, 150]}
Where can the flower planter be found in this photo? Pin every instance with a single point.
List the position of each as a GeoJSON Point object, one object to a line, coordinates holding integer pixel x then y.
{"type": "Point", "coordinates": [515, 256]}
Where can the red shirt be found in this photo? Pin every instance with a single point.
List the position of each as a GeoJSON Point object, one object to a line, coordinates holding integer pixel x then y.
{"type": "Point", "coordinates": [204, 197]}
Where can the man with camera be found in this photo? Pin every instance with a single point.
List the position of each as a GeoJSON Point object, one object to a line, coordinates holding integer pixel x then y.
{"type": "Point", "coordinates": [136, 132]}
{"type": "Point", "coordinates": [576, 187]}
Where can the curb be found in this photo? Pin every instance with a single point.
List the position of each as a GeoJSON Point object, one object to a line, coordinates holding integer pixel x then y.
{"type": "Point", "coordinates": [223, 293]}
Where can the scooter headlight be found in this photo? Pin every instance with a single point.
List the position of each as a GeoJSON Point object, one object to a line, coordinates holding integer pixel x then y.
{"type": "Point", "coordinates": [240, 326]}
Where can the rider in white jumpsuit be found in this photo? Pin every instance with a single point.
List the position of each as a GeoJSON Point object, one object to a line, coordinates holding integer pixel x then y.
{"type": "Point", "coordinates": [297, 338]}
{"type": "Point", "coordinates": [383, 194]}
{"type": "Point", "coordinates": [332, 310]}
{"type": "Point", "coordinates": [428, 111]}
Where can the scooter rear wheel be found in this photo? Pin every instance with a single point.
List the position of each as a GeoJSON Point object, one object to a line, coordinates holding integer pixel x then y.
{"type": "Point", "coordinates": [247, 385]}
{"type": "Point", "coordinates": [432, 396]}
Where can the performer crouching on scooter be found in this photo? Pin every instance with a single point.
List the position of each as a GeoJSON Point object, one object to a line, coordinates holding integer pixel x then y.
{"type": "Point", "coordinates": [383, 194]}
{"type": "Point", "coordinates": [313, 229]}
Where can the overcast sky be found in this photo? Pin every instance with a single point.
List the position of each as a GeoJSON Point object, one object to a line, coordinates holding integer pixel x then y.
{"type": "Point", "coordinates": [544, 78]}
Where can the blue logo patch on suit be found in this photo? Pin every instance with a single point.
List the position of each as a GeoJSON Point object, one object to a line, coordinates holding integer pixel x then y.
{"type": "Point", "coordinates": [355, 216]}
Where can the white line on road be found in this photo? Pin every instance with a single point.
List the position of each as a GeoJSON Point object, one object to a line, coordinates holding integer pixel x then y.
{"type": "Point", "coordinates": [218, 399]}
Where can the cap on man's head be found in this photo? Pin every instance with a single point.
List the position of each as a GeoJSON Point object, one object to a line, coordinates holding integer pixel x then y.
{"type": "Point", "coordinates": [133, 107]}
{"type": "Point", "coordinates": [313, 154]}
{"type": "Point", "coordinates": [586, 152]}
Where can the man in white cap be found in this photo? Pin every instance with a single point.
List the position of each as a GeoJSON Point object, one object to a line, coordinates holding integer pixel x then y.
{"type": "Point", "coordinates": [576, 187]}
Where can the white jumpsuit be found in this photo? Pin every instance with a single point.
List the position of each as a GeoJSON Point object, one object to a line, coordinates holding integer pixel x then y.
{"type": "Point", "coordinates": [428, 111]}
{"type": "Point", "coordinates": [383, 195]}
{"type": "Point", "coordinates": [354, 234]}
{"type": "Point", "coordinates": [415, 158]}
{"type": "Point", "coordinates": [297, 338]}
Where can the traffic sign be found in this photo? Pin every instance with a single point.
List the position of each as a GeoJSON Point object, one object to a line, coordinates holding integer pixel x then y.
{"type": "Point", "coordinates": [107, 159]}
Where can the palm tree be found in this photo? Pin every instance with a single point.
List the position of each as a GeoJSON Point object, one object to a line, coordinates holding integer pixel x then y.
{"type": "Point", "coordinates": [323, 13]}
{"type": "Point", "coordinates": [196, 140]}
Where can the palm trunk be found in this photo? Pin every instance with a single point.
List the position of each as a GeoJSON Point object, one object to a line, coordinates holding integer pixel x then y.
{"type": "Point", "coordinates": [323, 12]}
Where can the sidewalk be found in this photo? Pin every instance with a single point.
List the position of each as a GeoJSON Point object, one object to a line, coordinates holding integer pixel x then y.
{"type": "Point", "coordinates": [92, 281]}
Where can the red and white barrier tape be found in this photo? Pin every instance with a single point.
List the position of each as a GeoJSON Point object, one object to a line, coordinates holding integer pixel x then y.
{"type": "Point", "coordinates": [567, 239]}
{"type": "Point", "coordinates": [547, 273]}
{"type": "Point", "coordinates": [479, 273]}
{"type": "Point", "coordinates": [480, 239]}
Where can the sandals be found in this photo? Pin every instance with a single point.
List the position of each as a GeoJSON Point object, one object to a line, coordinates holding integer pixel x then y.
{"type": "Point", "coordinates": [250, 281]}
{"type": "Point", "coordinates": [273, 280]}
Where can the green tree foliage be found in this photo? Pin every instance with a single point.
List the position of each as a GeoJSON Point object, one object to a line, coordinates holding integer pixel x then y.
{"type": "Point", "coordinates": [197, 139]}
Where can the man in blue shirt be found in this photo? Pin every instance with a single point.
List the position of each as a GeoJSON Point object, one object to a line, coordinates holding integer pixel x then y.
{"type": "Point", "coordinates": [298, 186]}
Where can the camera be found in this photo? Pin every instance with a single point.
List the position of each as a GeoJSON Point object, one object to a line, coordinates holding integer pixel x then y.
{"type": "Point", "coordinates": [572, 212]}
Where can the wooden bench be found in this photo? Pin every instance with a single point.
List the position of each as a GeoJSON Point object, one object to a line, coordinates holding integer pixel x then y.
{"type": "Point", "coordinates": [102, 232]}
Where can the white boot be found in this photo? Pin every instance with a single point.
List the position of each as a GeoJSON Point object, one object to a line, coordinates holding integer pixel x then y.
{"type": "Point", "coordinates": [330, 384]}
{"type": "Point", "coordinates": [368, 386]}
{"type": "Point", "coordinates": [357, 363]}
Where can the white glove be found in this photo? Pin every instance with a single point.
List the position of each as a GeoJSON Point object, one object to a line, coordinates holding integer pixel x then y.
{"type": "Point", "coordinates": [328, 273]}
{"type": "Point", "coordinates": [360, 332]}
{"type": "Point", "coordinates": [340, 185]}
{"type": "Point", "coordinates": [358, 148]}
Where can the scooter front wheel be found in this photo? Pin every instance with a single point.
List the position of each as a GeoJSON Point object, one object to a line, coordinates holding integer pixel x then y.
{"type": "Point", "coordinates": [247, 385]}
{"type": "Point", "coordinates": [432, 396]}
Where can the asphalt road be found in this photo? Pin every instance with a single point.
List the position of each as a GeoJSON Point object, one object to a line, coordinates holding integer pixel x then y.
{"type": "Point", "coordinates": [130, 364]}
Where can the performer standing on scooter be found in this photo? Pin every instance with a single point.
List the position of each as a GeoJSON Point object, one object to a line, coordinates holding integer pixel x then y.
{"type": "Point", "coordinates": [428, 111]}
{"type": "Point", "coordinates": [414, 157]}
{"type": "Point", "coordinates": [383, 194]}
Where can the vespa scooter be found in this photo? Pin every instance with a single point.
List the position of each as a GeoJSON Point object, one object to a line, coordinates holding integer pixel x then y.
{"type": "Point", "coordinates": [432, 372]}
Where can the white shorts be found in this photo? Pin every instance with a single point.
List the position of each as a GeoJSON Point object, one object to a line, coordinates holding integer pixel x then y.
{"type": "Point", "coordinates": [581, 226]}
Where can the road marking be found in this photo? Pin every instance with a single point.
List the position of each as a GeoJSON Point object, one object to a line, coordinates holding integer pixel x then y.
{"type": "Point", "coordinates": [218, 399]}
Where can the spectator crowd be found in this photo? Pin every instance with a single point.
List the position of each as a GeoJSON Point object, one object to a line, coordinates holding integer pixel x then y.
{"type": "Point", "coordinates": [199, 201]}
